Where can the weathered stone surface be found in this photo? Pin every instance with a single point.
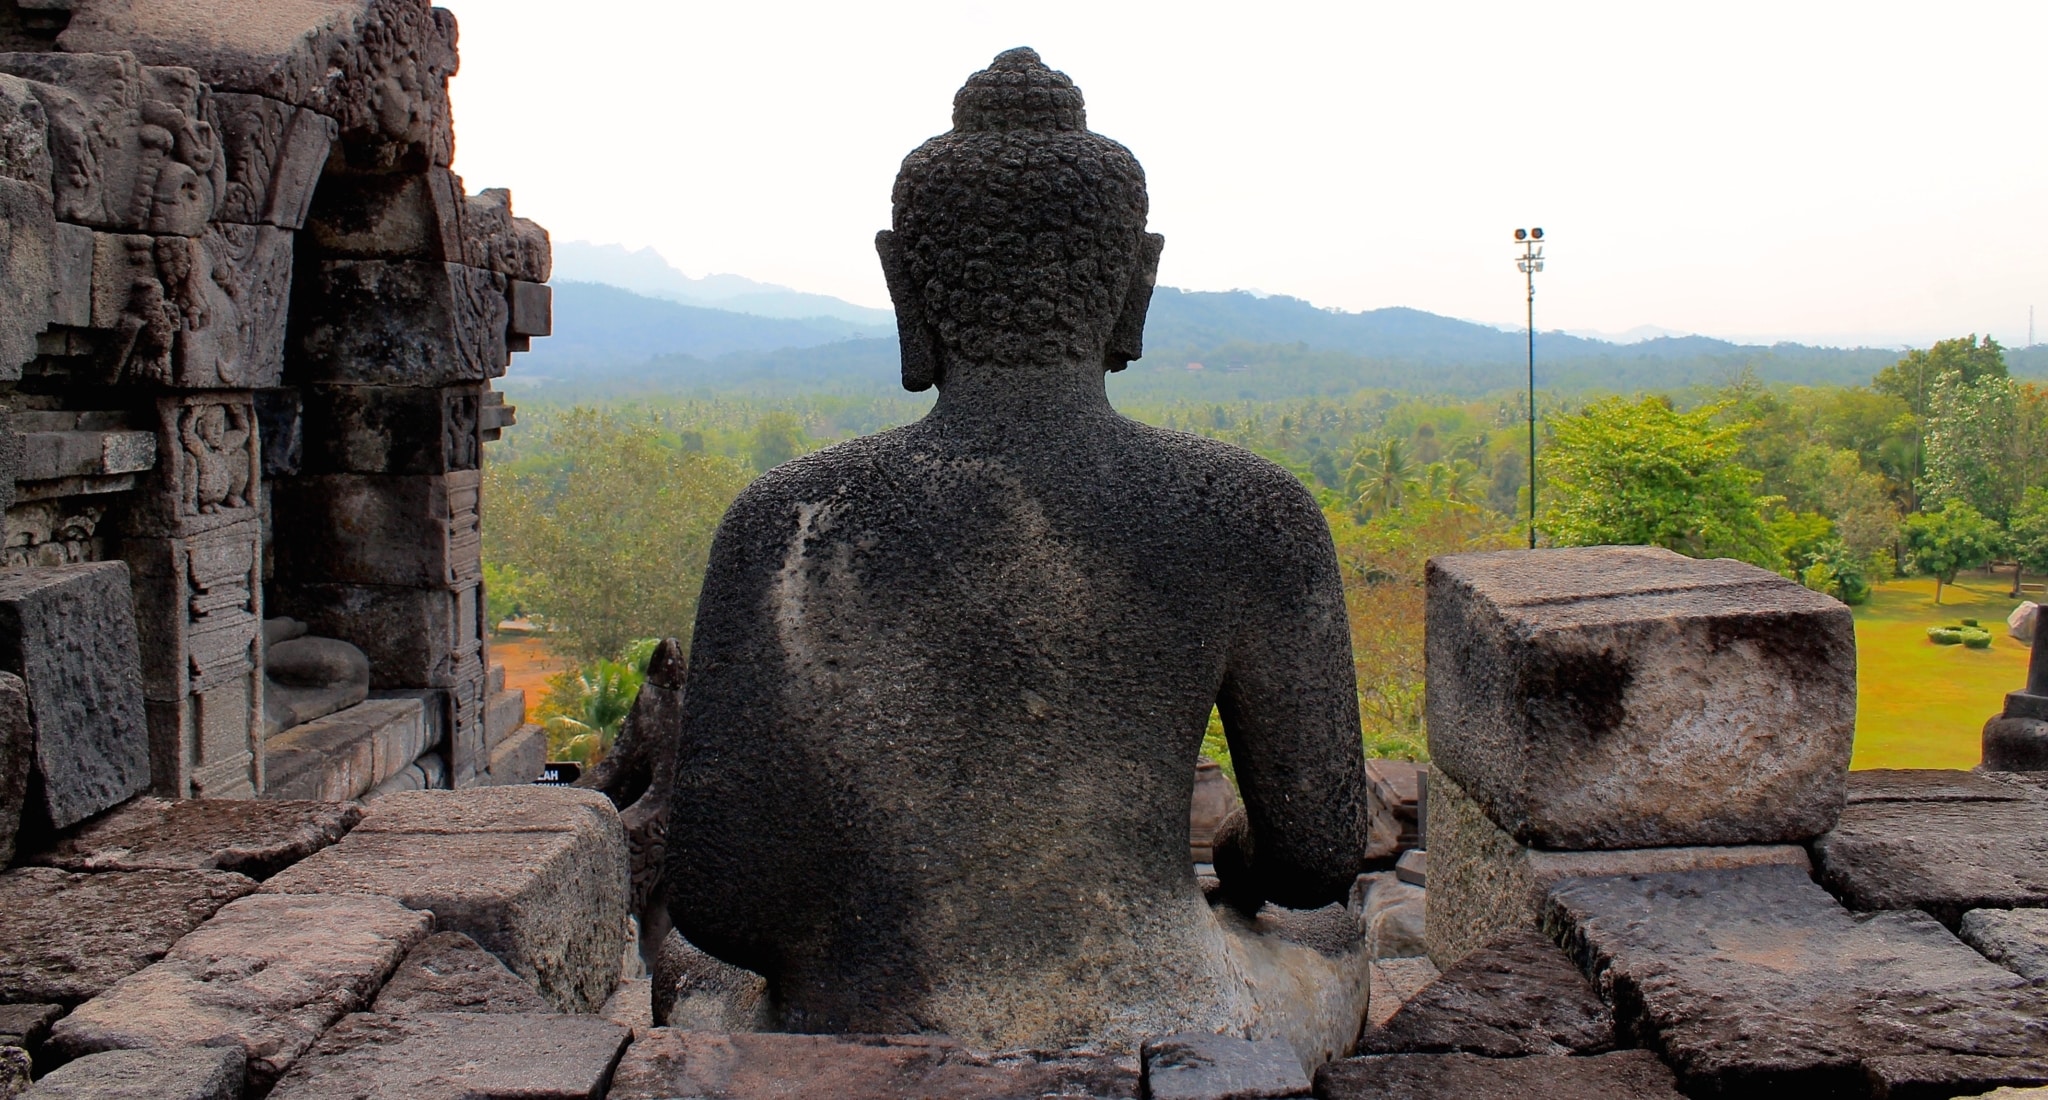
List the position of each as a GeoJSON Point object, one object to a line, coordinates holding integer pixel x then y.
{"type": "Point", "coordinates": [2020, 624]}
{"type": "Point", "coordinates": [1396, 787]}
{"type": "Point", "coordinates": [537, 875]}
{"type": "Point", "coordinates": [24, 137]}
{"type": "Point", "coordinates": [448, 972]}
{"type": "Point", "coordinates": [637, 775]}
{"type": "Point", "coordinates": [1755, 982]}
{"type": "Point", "coordinates": [400, 323]}
{"type": "Point", "coordinates": [28, 236]}
{"type": "Point", "coordinates": [533, 308]}
{"type": "Point", "coordinates": [273, 153]}
{"type": "Point", "coordinates": [390, 216]}
{"type": "Point", "coordinates": [267, 974]}
{"type": "Point", "coordinates": [1413, 868]}
{"type": "Point", "coordinates": [1943, 857]}
{"type": "Point", "coordinates": [257, 839]}
{"type": "Point", "coordinates": [495, 240]}
{"type": "Point", "coordinates": [1215, 797]}
{"type": "Point", "coordinates": [1201, 1066]}
{"type": "Point", "coordinates": [1622, 1075]}
{"type": "Point", "coordinates": [1484, 883]}
{"type": "Point", "coordinates": [390, 429]}
{"type": "Point", "coordinates": [1394, 981]}
{"type": "Point", "coordinates": [692, 990]}
{"type": "Point", "coordinates": [202, 312]}
{"type": "Point", "coordinates": [17, 760]}
{"type": "Point", "coordinates": [474, 1056]}
{"type": "Point", "coordinates": [666, 1063]}
{"type": "Point", "coordinates": [414, 637]}
{"type": "Point", "coordinates": [66, 937]}
{"type": "Point", "coordinates": [420, 531]}
{"type": "Point", "coordinates": [1393, 916]}
{"type": "Point", "coordinates": [1102, 579]}
{"type": "Point", "coordinates": [131, 148]}
{"type": "Point", "coordinates": [380, 67]}
{"type": "Point", "coordinates": [520, 757]}
{"type": "Point", "coordinates": [2016, 939]}
{"type": "Point", "coordinates": [344, 755]}
{"type": "Point", "coordinates": [2015, 744]}
{"type": "Point", "coordinates": [1932, 785]}
{"type": "Point", "coordinates": [15, 1069]}
{"type": "Point", "coordinates": [1630, 697]}
{"type": "Point", "coordinates": [28, 1025]}
{"type": "Point", "coordinates": [163, 1073]}
{"type": "Point", "coordinates": [69, 632]}
{"type": "Point", "coordinates": [1517, 995]}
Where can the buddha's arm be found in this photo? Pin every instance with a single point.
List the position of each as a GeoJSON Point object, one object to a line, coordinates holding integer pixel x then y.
{"type": "Point", "coordinates": [1289, 703]}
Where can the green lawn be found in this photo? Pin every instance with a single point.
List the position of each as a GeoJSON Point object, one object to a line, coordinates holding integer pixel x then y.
{"type": "Point", "coordinates": [1921, 705]}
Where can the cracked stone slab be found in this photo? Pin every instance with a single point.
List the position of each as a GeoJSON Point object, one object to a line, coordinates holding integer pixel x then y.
{"type": "Point", "coordinates": [1517, 995]}
{"type": "Point", "coordinates": [1622, 1075]}
{"type": "Point", "coordinates": [1755, 982]}
{"type": "Point", "coordinates": [448, 972]}
{"type": "Point", "coordinates": [1201, 1066]}
{"type": "Point", "coordinates": [2016, 939]}
{"type": "Point", "coordinates": [162, 1073]}
{"type": "Point", "coordinates": [267, 974]}
{"type": "Point", "coordinates": [27, 1026]}
{"type": "Point", "coordinates": [1942, 857]}
{"type": "Point", "coordinates": [664, 1063]}
{"type": "Point", "coordinates": [66, 937]}
{"type": "Point", "coordinates": [467, 1055]}
{"type": "Point", "coordinates": [254, 838]}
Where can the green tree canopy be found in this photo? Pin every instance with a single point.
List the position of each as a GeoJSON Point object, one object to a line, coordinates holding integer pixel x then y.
{"type": "Point", "coordinates": [1913, 379]}
{"type": "Point", "coordinates": [1643, 473]}
{"type": "Point", "coordinates": [1946, 542]}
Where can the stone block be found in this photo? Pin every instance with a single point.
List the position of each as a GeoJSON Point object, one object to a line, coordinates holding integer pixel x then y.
{"type": "Point", "coordinates": [391, 429]}
{"type": "Point", "coordinates": [69, 632]}
{"type": "Point", "coordinates": [414, 637]}
{"type": "Point", "coordinates": [1622, 1075]}
{"type": "Point", "coordinates": [67, 937]}
{"type": "Point", "coordinates": [399, 323]}
{"type": "Point", "coordinates": [1393, 801]}
{"type": "Point", "coordinates": [200, 312]}
{"type": "Point", "coordinates": [317, 56]}
{"type": "Point", "coordinates": [2016, 939]}
{"type": "Point", "coordinates": [449, 972]}
{"type": "Point", "coordinates": [495, 240]}
{"type": "Point", "coordinates": [1392, 916]}
{"type": "Point", "coordinates": [190, 1073]}
{"type": "Point", "coordinates": [46, 455]}
{"type": "Point", "coordinates": [1201, 1066]}
{"type": "Point", "coordinates": [28, 238]}
{"type": "Point", "coordinates": [533, 308]}
{"type": "Point", "coordinates": [390, 216]}
{"type": "Point", "coordinates": [15, 1069]}
{"type": "Point", "coordinates": [208, 470]}
{"type": "Point", "coordinates": [26, 1026]}
{"type": "Point", "coordinates": [504, 713]}
{"type": "Point", "coordinates": [1518, 995]}
{"type": "Point", "coordinates": [520, 757]}
{"type": "Point", "coordinates": [1630, 697]}
{"type": "Point", "coordinates": [474, 1056]}
{"type": "Point", "coordinates": [1413, 867]}
{"type": "Point", "coordinates": [24, 139]}
{"type": "Point", "coordinates": [1943, 857]}
{"type": "Point", "coordinates": [1933, 785]}
{"type": "Point", "coordinates": [1754, 982]}
{"type": "Point", "coordinates": [1393, 982]}
{"type": "Point", "coordinates": [273, 154]}
{"type": "Point", "coordinates": [17, 760]}
{"type": "Point", "coordinates": [537, 875]}
{"type": "Point", "coordinates": [267, 974]}
{"type": "Point", "coordinates": [1485, 883]}
{"type": "Point", "coordinates": [344, 755]}
{"type": "Point", "coordinates": [252, 838]}
{"type": "Point", "coordinates": [418, 531]}
{"type": "Point", "coordinates": [665, 1063]}
{"type": "Point", "coordinates": [130, 145]}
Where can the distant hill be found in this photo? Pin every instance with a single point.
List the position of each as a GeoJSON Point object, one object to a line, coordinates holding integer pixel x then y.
{"type": "Point", "coordinates": [1249, 348]}
{"type": "Point", "coordinates": [645, 272]}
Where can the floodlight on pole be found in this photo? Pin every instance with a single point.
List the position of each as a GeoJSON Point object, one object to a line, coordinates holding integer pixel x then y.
{"type": "Point", "coordinates": [1531, 262]}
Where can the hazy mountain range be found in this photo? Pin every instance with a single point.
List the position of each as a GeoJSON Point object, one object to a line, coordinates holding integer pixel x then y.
{"type": "Point", "coordinates": [627, 319]}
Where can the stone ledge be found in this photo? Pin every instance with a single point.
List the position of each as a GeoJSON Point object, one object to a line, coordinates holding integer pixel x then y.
{"type": "Point", "coordinates": [665, 1063]}
{"type": "Point", "coordinates": [346, 754]}
{"type": "Point", "coordinates": [257, 839]}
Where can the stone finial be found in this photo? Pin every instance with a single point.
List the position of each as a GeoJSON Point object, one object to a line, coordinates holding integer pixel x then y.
{"type": "Point", "coordinates": [1019, 235]}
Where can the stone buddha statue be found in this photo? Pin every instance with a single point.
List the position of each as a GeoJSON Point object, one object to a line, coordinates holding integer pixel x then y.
{"type": "Point", "coordinates": [949, 682]}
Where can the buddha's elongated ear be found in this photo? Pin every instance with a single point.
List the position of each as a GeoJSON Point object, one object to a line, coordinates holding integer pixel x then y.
{"type": "Point", "coordinates": [913, 338]}
{"type": "Point", "coordinates": [1127, 338]}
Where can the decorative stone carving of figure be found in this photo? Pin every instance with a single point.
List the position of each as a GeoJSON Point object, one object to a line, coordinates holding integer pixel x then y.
{"type": "Point", "coordinates": [216, 441]}
{"type": "Point", "coordinates": [949, 682]}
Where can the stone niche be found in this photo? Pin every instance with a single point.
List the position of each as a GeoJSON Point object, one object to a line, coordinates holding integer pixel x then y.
{"type": "Point", "coordinates": [168, 171]}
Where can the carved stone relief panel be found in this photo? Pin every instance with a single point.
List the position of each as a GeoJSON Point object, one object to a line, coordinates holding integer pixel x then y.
{"type": "Point", "coordinates": [274, 153]}
{"type": "Point", "coordinates": [53, 532]}
{"type": "Point", "coordinates": [24, 141]}
{"type": "Point", "coordinates": [206, 474]}
{"type": "Point", "coordinates": [398, 323]}
{"type": "Point", "coordinates": [195, 313]}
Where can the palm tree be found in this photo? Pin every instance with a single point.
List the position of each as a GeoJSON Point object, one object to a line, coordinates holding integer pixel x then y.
{"type": "Point", "coordinates": [1451, 481]}
{"type": "Point", "coordinates": [1382, 477]}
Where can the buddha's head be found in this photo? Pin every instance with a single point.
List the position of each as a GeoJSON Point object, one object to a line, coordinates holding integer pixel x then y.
{"type": "Point", "coordinates": [1019, 238]}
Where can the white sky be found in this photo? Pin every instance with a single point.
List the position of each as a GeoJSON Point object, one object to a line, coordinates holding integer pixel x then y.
{"type": "Point", "coordinates": [1837, 172]}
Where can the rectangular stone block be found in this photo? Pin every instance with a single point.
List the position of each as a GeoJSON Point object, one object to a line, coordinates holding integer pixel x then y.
{"type": "Point", "coordinates": [273, 154]}
{"type": "Point", "coordinates": [391, 429]}
{"type": "Point", "coordinates": [1394, 796]}
{"type": "Point", "coordinates": [71, 276]}
{"type": "Point", "coordinates": [390, 216]}
{"type": "Point", "coordinates": [449, 972]}
{"type": "Point", "coordinates": [520, 757]}
{"type": "Point", "coordinates": [2016, 939]}
{"type": "Point", "coordinates": [27, 271]}
{"type": "Point", "coordinates": [1200, 1066]}
{"type": "Point", "coordinates": [460, 1054]}
{"type": "Point", "coordinates": [495, 240]}
{"type": "Point", "coordinates": [1629, 697]}
{"type": "Point", "coordinates": [267, 974]}
{"type": "Point", "coordinates": [67, 937]}
{"type": "Point", "coordinates": [1944, 857]}
{"type": "Point", "coordinates": [414, 637]}
{"type": "Point", "coordinates": [537, 875]}
{"type": "Point", "coordinates": [200, 312]}
{"type": "Point", "coordinates": [1483, 883]}
{"type": "Point", "coordinates": [1623, 1075]}
{"type": "Point", "coordinates": [665, 1063]}
{"type": "Point", "coordinates": [346, 754]}
{"type": "Point", "coordinates": [533, 308]}
{"type": "Point", "coordinates": [504, 713]}
{"type": "Point", "coordinates": [208, 469]}
{"type": "Point", "coordinates": [69, 632]}
{"type": "Point", "coordinates": [252, 838]}
{"type": "Point", "coordinates": [17, 760]}
{"type": "Point", "coordinates": [1754, 982]}
{"type": "Point", "coordinates": [420, 531]}
{"type": "Point", "coordinates": [399, 323]}
{"type": "Point", "coordinates": [202, 1073]}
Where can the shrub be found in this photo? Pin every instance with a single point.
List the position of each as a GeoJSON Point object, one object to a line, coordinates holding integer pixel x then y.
{"type": "Point", "coordinates": [1969, 622]}
{"type": "Point", "coordinates": [1976, 639]}
{"type": "Point", "coordinates": [1945, 635]}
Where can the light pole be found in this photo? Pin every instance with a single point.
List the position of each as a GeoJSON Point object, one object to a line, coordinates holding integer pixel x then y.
{"type": "Point", "coordinates": [1531, 263]}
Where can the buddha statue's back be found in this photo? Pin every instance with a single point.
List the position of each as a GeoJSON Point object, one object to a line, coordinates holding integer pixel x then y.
{"type": "Point", "coordinates": [949, 682]}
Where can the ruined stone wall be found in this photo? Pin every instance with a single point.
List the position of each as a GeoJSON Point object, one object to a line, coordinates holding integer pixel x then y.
{"type": "Point", "coordinates": [248, 325]}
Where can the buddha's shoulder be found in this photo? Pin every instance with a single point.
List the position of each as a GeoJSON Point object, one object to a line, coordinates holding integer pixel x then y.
{"type": "Point", "coordinates": [1222, 467]}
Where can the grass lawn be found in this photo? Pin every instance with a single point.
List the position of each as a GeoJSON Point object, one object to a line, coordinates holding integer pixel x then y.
{"type": "Point", "coordinates": [1921, 705]}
